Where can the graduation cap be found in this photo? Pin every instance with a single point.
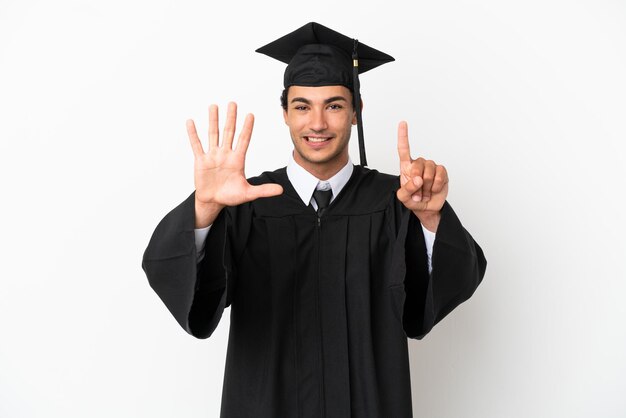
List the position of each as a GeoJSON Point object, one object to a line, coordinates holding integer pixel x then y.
{"type": "Point", "coordinates": [318, 56]}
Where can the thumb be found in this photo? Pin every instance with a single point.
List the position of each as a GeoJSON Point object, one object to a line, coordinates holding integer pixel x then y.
{"type": "Point", "coordinates": [264, 190]}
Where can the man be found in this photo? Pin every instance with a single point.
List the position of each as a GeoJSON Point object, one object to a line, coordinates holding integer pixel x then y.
{"type": "Point", "coordinates": [326, 266]}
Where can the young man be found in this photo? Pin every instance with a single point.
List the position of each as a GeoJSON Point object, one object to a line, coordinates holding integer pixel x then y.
{"type": "Point", "coordinates": [326, 266]}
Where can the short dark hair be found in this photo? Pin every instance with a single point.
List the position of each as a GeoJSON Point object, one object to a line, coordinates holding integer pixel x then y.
{"type": "Point", "coordinates": [283, 98]}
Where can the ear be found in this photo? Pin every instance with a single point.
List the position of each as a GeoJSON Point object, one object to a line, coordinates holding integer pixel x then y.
{"type": "Point", "coordinates": [285, 116]}
{"type": "Point", "coordinates": [354, 121]}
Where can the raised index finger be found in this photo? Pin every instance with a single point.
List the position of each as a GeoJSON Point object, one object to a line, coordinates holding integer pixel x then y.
{"type": "Point", "coordinates": [403, 142]}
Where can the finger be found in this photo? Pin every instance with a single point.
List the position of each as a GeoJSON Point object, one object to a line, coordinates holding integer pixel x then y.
{"type": "Point", "coordinates": [214, 128]}
{"type": "Point", "coordinates": [410, 191]}
{"type": "Point", "coordinates": [429, 177]}
{"type": "Point", "coordinates": [246, 133]}
{"type": "Point", "coordinates": [194, 140]}
{"type": "Point", "coordinates": [417, 167]}
{"type": "Point", "coordinates": [404, 152]}
{"type": "Point", "coordinates": [417, 171]}
{"type": "Point", "coordinates": [264, 190]}
{"type": "Point", "coordinates": [419, 183]}
{"type": "Point", "coordinates": [229, 127]}
{"type": "Point", "coordinates": [441, 179]}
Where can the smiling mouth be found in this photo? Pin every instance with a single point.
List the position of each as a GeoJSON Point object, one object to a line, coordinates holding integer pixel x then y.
{"type": "Point", "coordinates": [317, 139]}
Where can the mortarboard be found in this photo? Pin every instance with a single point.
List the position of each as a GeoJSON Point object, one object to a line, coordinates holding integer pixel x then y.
{"type": "Point", "coordinates": [318, 56]}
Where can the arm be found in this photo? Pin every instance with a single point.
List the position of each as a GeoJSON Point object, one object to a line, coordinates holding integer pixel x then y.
{"type": "Point", "coordinates": [423, 189]}
{"type": "Point", "coordinates": [458, 263]}
{"type": "Point", "coordinates": [458, 267]}
{"type": "Point", "coordinates": [185, 285]}
{"type": "Point", "coordinates": [194, 289]}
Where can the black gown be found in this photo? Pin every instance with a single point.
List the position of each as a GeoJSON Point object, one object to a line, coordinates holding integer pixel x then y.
{"type": "Point", "coordinates": [321, 308]}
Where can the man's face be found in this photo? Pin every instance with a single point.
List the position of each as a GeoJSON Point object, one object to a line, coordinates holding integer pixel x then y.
{"type": "Point", "coordinates": [320, 120]}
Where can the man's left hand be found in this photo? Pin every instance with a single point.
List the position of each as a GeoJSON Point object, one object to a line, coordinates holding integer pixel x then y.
{"type": "Point", "coordinates": [423, 183]}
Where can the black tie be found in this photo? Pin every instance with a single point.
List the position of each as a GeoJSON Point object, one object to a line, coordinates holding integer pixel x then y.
{"type": "Point", "coordinates": [322, 198]}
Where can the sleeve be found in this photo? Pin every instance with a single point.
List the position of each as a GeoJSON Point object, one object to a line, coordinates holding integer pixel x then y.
{"type": "Point", "coordinates": [195, 292]}
{"type": "Point", "coordinates": [429, 240]}
{"type": "Point", "coordinates": [458, 267]}
{"type": "Point", "coordinates": [200, 235]}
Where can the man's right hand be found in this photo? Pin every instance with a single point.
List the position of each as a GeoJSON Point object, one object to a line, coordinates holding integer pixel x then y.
{"type": "Point", "coordinates": [219, 175]}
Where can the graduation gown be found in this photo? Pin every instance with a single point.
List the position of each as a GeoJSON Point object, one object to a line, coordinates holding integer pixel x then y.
{"type": "Point", "coordinates": [320, 307]}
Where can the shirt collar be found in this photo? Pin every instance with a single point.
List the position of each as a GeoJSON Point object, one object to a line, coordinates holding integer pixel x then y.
{"type": "Point", "coordinates": [305, 183]}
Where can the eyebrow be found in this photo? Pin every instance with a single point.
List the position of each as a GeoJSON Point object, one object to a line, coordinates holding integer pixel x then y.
{"type": "Point", "coordinates": [329, 100]}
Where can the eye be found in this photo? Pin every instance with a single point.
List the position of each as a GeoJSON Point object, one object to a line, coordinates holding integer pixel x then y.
{"type": "Point", "coordinates": [300, 108]}
{"type": "Point", "coordinates": [335, 106]}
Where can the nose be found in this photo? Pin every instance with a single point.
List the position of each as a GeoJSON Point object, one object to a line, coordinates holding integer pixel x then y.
{"type": "Point", "coordinates": [318, 120]}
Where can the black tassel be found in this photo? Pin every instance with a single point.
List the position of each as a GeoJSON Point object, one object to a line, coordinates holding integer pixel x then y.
{"type": "Point", "coordinates": [357, 102]}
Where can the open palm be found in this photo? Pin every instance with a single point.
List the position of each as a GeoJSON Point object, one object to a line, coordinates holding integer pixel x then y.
{"type": "Point", "coordinates": [219, 175]}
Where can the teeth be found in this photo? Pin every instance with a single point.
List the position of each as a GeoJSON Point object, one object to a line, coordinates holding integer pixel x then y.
{"type": "Point", "coordinates": [316, 139]}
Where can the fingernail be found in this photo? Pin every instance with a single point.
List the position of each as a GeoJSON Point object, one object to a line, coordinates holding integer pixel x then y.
{"type": "Point", "coordinates": [417, 198]}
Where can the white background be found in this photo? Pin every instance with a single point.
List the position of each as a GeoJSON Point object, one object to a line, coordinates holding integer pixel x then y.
{"type": "Point", "coordinates": [523, 101]}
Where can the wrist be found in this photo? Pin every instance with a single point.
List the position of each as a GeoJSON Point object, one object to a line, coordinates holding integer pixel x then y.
{"type": "Point", "coordinates": [205, 213]}
{"type": "Point", "coordinates": [429, 219]}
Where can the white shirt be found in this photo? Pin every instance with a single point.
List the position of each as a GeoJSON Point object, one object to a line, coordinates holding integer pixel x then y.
{"type": "Point", "coordinates": [305, 184]}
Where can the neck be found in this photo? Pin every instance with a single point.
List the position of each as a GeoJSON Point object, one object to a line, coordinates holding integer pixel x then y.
{"type": "Point", "coordinates": [322, 171]}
